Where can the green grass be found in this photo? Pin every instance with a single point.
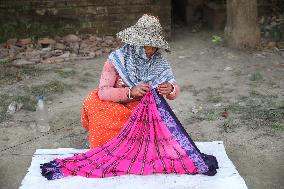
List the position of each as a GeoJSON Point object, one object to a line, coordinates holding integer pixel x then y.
{"type": "Point", "coordinates": [212, 115]}
{"type": "Point", "coordinates": [28, 99]}
{"type": "Point", "coordinates": [257, 115]}
{"type": "Point", "coordinates": [12, 74]}
{"type": "Point", "coordinates": [195, 119]}
{"type": "Point", "coordinates": [205, 115]}
{"type": "Point", "coordinates": [5, 61]}
{"type": "Point", "coordinates": [242, 98]}
{"type": "Point", "coordinates": [4, 103]}
{"type": "Point", "coordinates": [30, 71]}
{"type": "Point", "coordinates": [259, 110]}
{"type": "Point", "coordinates": [194, 91]}
{"type": "Point", "coordinates": [29, 102]}
{"type": "Point", "coordinates": [257, 94]}
{"type": "Point", "coordinates": [213, 98]}
{"type": "Point", "coordinates": [278, 126]}
{"type": "Point", "coordinates": [85, 79]}
{"type": "Point", "coordinates": [280, 103]}
{"type": "Point", "coordinates": [235, 108]}
{"type": "Point", "coordinates": [265, 100]}
{"type": "Point", "coordinates": [66, 73]}
{"type": "Point", "coordinates": [238, 73]}
{"type": "Point", "coordinates": [228, 125]}
{"type": "Point", "coordinates": [53, 87]}
{"type": "Point", "coordinates": [198, 91]}
{"type": "Point", "coordinates": [212, 94]}
{"type": "Point", "coordinates": [88, 74]}
{"type": "Point", "coordinates": [273, 84]}
{"type": "Point", "coordinates": [257, 76]}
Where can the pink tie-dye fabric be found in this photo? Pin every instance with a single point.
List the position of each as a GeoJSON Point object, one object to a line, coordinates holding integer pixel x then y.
{"type": "Point", "coordinates": [144, 146]}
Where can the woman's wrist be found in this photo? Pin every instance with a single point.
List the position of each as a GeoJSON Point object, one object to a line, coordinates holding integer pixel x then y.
{"type": "Point", "coordinates": [129, 93]}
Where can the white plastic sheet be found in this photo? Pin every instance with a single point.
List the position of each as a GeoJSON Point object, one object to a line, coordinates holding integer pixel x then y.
{"type": "Point", "coordinates": [226, 178]}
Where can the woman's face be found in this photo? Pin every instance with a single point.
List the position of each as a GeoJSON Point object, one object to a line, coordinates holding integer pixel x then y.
{"type": "Point", "coordinates": [150, 51]}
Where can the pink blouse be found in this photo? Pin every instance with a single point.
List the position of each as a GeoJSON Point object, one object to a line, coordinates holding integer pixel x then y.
{"type": "Point", "coordinates": [113, 88]}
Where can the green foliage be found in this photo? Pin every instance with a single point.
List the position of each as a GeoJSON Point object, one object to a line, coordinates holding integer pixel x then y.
{"type": "Point", "coordinates": [216, 39]}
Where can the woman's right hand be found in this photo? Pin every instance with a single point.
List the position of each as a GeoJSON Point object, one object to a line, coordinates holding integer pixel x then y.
{"type": "Point", "coordinates": [140, 90]}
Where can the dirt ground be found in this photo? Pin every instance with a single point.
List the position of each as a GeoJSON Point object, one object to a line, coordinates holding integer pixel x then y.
{"type": "Point", "coordinates": [214, 79]}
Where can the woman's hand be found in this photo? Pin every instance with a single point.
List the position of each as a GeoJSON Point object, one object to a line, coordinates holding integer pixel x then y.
{"type": "Point", "coordinates": [140, 90]}
{"type": "Point", "coordinates": [165, 88]}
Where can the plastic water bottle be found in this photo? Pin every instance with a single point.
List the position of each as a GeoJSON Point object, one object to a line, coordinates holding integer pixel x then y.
{"type": "Point", "coordinates": [42, 115]}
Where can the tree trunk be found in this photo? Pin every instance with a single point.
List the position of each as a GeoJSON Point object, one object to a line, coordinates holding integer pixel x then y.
{"type": "Point", "coordinates": [242, 29]}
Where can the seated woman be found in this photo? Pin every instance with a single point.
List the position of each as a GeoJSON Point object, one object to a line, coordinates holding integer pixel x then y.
{"type": "Point", "coordinates": [106, 110]}
{"type": "Point", "coordinates": [132, 129]}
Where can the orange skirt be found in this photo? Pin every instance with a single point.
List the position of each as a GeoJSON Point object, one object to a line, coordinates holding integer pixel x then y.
{"type": "Point", "coordinates": [104, 119]}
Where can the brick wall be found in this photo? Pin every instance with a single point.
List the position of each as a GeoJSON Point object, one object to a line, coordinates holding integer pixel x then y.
{"type": "Point", "coordinates": [103, 17]}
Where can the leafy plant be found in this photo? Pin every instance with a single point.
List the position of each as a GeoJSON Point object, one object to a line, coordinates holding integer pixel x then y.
{"type": "Point", "coordinates": [216, 39]}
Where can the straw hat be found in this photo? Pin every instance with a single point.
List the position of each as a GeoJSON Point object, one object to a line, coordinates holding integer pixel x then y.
{"type": "Point", "coordinates": [146, 32]}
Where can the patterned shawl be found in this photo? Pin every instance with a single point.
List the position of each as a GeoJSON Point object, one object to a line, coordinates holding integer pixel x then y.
{"type": "Point", "coordinates": [134, 67]}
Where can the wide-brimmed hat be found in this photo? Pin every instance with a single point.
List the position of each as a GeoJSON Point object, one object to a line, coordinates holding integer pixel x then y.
{"type": "Point", "coordinates": [146, 32]}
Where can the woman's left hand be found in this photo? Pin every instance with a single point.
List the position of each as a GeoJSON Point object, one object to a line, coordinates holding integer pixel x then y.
{"type": "Point", "coordinates": [165, 88]}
